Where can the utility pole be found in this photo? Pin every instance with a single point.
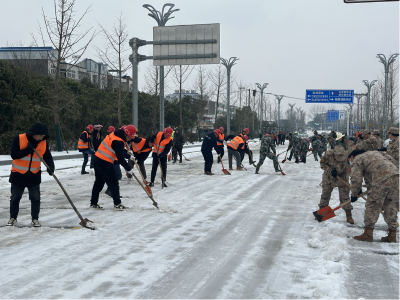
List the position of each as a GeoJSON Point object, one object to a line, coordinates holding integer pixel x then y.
{"type": "Point", "coordinates": [161, 19]}
{"type": "Point", "coordinates": [369, 86]}
{"type": "Point", "coordinates": [261, 88]}
{"type": "Point", "coordinates": [240, 96]}
{"type": "Point", "coordinates": [228, 64]}
{"type": "Point", "coordinates": [386, 64]}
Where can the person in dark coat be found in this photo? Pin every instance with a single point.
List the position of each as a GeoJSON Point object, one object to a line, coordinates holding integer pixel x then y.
{"type": "Point", "coordinates": [210, 142]}
{"type": "Point", "coordinates": [96, 136]}
{"type": "Point", "coordinates": [26, 170]}
{"type": "Point", "coordinates": [177, 146]}
{"type": "Point", "coordinates": [84, 146]}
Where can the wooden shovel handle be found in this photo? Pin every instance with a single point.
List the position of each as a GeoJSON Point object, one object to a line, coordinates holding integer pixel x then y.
{"type": "Point", "coordinates": [346, 183]}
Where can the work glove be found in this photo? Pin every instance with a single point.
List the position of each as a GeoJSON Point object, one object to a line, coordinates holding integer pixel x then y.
{"type": "Point", "coordinates": [360, 192]}
{"type": "Point", "coordinates": [334, 173]}
{"type": "Point", "coordinates": [129, 173]}
{"type": "Point", "coordinates": [31, 145]}
{"type": "Point", "coordinates": [50, 171]}
{"type": "Point", "coordinates": [383, 149]}
{"type": "Point", "coordinates": [131, 163]}
{"type": "Point", "coordinates": [353, 199]}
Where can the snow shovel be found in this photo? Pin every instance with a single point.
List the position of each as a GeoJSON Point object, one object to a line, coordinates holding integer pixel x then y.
{"type": "Point", "coordinates": [283, 173]}
{"type": "Point", "coordinates": [226, 172]}
{"type": "Point", "coordinates": [83, 222]}
{"type": "Point", "coordinates": [327, 213]}
{"type": "Point", "coordinates": [169, 156]}
{"type": "Point", "coordinates": [283, 161]}
{"type": "Point", "coordinates": [186, 158]}
{"type": "Point", "coordinates": [281, 153]}
{"type": "Point", "coordinates": [251, 156]}
{"type": "Point", "coordinates": [162, 175]}
{"type": "Point", "coordinates": [146, 190]}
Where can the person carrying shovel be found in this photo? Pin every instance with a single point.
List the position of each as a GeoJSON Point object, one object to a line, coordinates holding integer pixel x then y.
{"type": "Point", "coordinates": [267, 149]}
{"type": "Point", "coordinates": [210, 142]}
{"type": "Point", "coordinates": [335, 164]}
{"type": "Point", "coordinates": [383, 193]}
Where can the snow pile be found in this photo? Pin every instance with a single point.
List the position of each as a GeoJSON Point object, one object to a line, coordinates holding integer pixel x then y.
{"type": "Point", "coordinates": [326, 278]}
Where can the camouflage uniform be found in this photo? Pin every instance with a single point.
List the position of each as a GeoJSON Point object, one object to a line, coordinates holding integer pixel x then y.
{"type": "Point", "coordinates": [304, 148]}
{"type": "Point", "coordinates": [317, 148]}
{"type": "Point", "coordinates": [335, 160]}
{"type": "Point", "coordinates": [384, 190]}
{"type": "Point", "coordinates": [351, 141]}
{"type": "Point", "coordinates": [393, 148]}
{"type": "Point", "coordinates": [267, 144]}
{"type": "Point", "coordinates": [295, 146]}
{"type": "Point", "coordinates": [379, 140]}
{"type": "Point", "coordinates": [341, 142]}
{"type": "Point", "coordinates": [369, 144]}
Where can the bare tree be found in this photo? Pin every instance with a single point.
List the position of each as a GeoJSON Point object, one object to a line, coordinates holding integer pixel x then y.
{"type": "Point", "coordinates": [115, 54]}
{"type": "Point", "coordinates": [180, 75]}
{"type": "Point", "coordinates": [62, 31]}
{"type": "Point", "coordinates": [218, 81]}
{"type": "Point", "coordinates": [201, 84]}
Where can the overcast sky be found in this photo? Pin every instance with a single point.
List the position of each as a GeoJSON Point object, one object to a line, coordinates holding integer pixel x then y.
{"type": "Point", "coordinates": [293, 45]}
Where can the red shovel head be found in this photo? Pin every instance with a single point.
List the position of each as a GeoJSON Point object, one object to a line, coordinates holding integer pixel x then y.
{"type": "Point", "coordinates": [226, 171]}
{"type": "Point", "coordinates": [148, 189]}
{"type": "Point", "coordinates": [324, 214]}
{"type": "Point", "coordinates": [169, 157]}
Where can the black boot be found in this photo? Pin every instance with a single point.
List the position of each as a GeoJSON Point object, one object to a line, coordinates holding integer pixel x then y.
{"type": "Point", "coordinates": [297, 160]}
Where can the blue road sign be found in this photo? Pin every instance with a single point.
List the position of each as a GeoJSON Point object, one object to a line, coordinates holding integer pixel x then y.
{"type": "Point", "coordinates": [355, 127]}
{"type": "Point", "coordinates": [333, 115]}
{"type": "Point", "coordinates": [329, 96]}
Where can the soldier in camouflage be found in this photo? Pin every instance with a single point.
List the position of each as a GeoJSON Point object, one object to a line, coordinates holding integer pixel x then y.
{"type": "Point", "coordinates": [304, 148]}
{"type": "Point", "coordinates": [341, 140]}
{"type": "Point", "coordinates": [267, 149]}
{"type": "Point", "coordinates": [383, 192]}
{"type": "Point", "coordinates": [331, 141]}
{"type": "Point", "coordinates": [334, 163]}
{"type": "Point", "coordinates": [393, 148]}
{"type": "Point", "coordinates": [368, 143]}
{"type": "Point", "coordinates": [294, 145]}
{"type": "Point", "coordinates": [318, 148]}
{"type": "Point", "coordinates": [376, 134]}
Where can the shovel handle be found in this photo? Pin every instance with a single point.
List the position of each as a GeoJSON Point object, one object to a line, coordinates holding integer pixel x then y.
{"type": "Point", "coordinates": [348, 185]}
{"type": "Point", "coordinates": [347, 202]}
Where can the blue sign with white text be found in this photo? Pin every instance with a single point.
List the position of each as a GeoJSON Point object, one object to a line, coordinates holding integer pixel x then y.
{"type": "Point", "coordinates": [329, 96]}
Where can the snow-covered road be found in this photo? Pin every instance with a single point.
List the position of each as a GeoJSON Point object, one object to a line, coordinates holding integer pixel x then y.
{"type": "Point", "coordinates": [239, 236]}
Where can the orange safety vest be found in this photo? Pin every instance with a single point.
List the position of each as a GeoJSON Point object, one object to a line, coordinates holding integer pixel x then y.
{"type": "Point", "coordinates": [137, 146]}
{"type": "Point", "coordinates": [29, 162]}
{"type": "Point", "coordinates": [234, 144]}
{"type": "Point", "coordinates": [105, 151]}
{"type": "Point", "coordinates": [160, 146]}
{"type": "Point", "coordinates": [81, 144]}
{"type": "Point", "coordinates": [221, 137]}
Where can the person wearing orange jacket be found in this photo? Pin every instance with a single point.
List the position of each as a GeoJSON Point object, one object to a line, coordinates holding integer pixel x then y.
{"type": "Point", "coordinates": [84, 147]}
{"type": "Point", "coordinates": [162, 146]}
{"type": "Point", "coordinates": [220, 143]}
{"type": "Point", "coordinates": [234, 146]}
{"type": "Point", "coordinates": [26, 170]}
{"type": "Point", "coordinates": [141, 148]}
{"type": "Point", "coordinates": [111, 149]}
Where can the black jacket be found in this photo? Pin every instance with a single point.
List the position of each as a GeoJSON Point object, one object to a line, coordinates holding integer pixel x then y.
{"type": "Point", "coordinates": [209, 142]}
{"type": "Point", "coordinates": [96, 136]}
{"type": "Point", "coordinates": [30, 179]}
{"type": "Point", "coordinates": [178, 140]}
{"type": "Point", "coordinates": [118, 147]}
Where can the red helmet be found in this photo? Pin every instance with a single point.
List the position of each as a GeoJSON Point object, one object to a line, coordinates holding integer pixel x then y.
{"type": "Point", "coordinates": [110, 129]}
{"type": "Point", "coordinates": [130, 130]}
{"type": "Point", "coordinates": [246, 130]}
{"type": "Point", "coordinates": [246, 137]}
{"type": "Point", "coordinates": [217, 131]}
{"type": "Point", "coordinates": [89, 127]}
{"type": "Point", "coordinates": [221, 129]}
{"type": "Point", "coordinates": [168, 131]}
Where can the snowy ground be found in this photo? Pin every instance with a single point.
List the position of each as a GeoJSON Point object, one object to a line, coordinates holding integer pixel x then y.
{"type": "Point", "coordinates": [239, 236]}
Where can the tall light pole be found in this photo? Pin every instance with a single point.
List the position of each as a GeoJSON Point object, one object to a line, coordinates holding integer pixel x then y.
{"type": "Point", "coordinates": [279, 98]}
{"type": "Point", "coordinates": [369, 86]}
{"type": "Point", "coordinates": [261, 88]}
{"type": "Point", "coordinates": [161, 19]}
{"type": "Point", "coordinates": [228, 64]}
{"type": "Point", "coordinates": [387, 64]}
{"type": "Point", "coordinates": [359, 96]}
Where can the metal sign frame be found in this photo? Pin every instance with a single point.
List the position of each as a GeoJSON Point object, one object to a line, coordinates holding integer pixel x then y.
{"type": "Point", "coordinates": [366, 1]}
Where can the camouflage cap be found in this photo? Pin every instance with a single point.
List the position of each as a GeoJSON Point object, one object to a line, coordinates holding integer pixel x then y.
{"type": "Point", "coordinates": [339, 153]}
{"type": "Point", "coordinates": [394, 130]}
{"type": "Point", "coordinates": [366, 131]}
{"type": "Point", "coordinates": [376, 132]}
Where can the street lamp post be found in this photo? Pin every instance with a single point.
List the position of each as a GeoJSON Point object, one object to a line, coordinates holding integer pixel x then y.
{"type": "Point", "coordinates": [369, 86]}
{"type": "Point", "coordinates": [279, 98]}
{"type": "Point", "coordinates": [386, 64]}
{"type": "Point", "coordinates": [359, 96]}
{"type": "Point", "coordinates": [161, 19]}
{"type": "Point", "coordinates": [261, 88]}
{"type": "Point", "coordinates": [228, 64]}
